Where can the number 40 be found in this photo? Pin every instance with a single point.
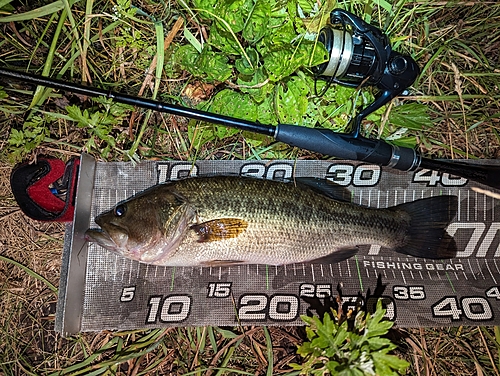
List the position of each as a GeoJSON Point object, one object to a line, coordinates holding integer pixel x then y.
{"type": "Point", "coordinates": [432, 178]}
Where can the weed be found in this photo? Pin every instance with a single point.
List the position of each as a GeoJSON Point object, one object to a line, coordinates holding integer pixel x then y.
{"type": "Point", "coordinates": [334, 348]}
{"type": "Point", "coordinates": [101, 125]}
{"type": "Point", "coordinates": [32, 134]}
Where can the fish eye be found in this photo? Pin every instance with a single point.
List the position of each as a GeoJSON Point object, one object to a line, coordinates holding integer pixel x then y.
{"type": "Point", "coordinates": [120, 210]}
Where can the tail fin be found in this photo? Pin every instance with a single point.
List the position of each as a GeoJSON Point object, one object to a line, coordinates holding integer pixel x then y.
{"type": "Point", "coordinates": [427, 236]}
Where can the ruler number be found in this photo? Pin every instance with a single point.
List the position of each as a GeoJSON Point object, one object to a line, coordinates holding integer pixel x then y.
{"type": "Point", "coordinates": [219, 290]}
{"type": "Point", "coordinates": [309, 290]}
{"type": "Point", "coordinates": [347, 174]}
{"type": "Point", "coordinates": [493, 292]}
{"type": "Point", "coordinates": [283, 307]}
{"type": "Point", "coordinates": [477, 308]}
{"type": "Point", "coordinates": [128, 294]}
{"type": "Point", "coordinates": [474, 308]}
{"type": "Point", "coordinates": [432, 178]}
{"type": "Point", "coordinates": [447, 307]}
{"type": "Point", "coordinates": [252, 307]}
{"type": "Point", "coordinates": [172, 308]}
{"type": "Point", "coordinates": [408, 292]}
{"type": "Point", "coordinates": [257, 307]}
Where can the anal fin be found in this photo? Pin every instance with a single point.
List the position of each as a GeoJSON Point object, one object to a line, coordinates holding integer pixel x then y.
{"type": "Point", "coordinates": [222, 263]}
{"type": "Point", "coordinates": [336, 256]}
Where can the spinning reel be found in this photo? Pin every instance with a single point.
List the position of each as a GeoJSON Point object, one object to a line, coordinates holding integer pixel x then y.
{"type": "Point", "coordinates": [361, 55]}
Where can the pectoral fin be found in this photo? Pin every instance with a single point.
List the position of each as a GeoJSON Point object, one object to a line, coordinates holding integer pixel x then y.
{"type": "Point", "coordinates": [219, 229]}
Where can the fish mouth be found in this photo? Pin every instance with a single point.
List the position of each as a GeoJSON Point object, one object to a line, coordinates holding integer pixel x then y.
{"type": "Point", "coordinates": [102, 238]}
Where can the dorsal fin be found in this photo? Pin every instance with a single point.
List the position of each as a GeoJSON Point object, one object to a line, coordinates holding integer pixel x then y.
{"type": "Point", "coordinates": [326, 188]}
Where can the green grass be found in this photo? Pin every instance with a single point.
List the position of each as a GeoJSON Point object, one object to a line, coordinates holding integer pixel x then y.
{"type": "Point", "coordinates": [133, 49]}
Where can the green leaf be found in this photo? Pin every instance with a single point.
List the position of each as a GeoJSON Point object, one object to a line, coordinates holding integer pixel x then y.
{"type": "Point", "coordinates": [385, 4]}
{"type": "Point", "coordinates": [279, 14]}
{"type": "Point", "coordinates": [341, 336]}
{"type": "Point", "coordinates": [186, 56]}
{"type": "Point", "coordinates": [215, 66]}
{"type": "Point", "coordinates": [16, 137]}
{"type": "Point", "coordinates": [205, 4]}
{"type": "Point", "coordinates": [244, 67]}
{"type": "Point", "coordinates": [232, 103]}
{"type": "Point", "coordinates": [226, 333]}
{"type": "Point", "coordinates": [308, 319]}
{"type": "Point", "coordinates": [278, 63]}
{"type": "Point", "coordinates": [32, 135]}
{"type": "Point", "coordinates": [281, 36]}
{"type": "Point", "coordinates": [234, 12]}
{"type": "Point", "coordinates": [76, 114]}
{"type": "Point", "coordinates": [40, 12]}
{"type": "Point", "coordinates": [307, 5]}
{"type": "Point", "coordinates": [192, 39]}
{"type": "Point", "coordinates": [291, 103]}
{"type": "Point", "coordinates": [318, 53]}
{"type": "Point", "coordinates": [210, 65]}
{"type": "Point", "coordinates": [376, 324]}
{"type": "Point", "coordinates": [256, 26]}
{"type": "Point", "coordinates": [258, 86]}
{"type": "Point", "coordinates": [284, 59]}
{"type": "Point", "coordinates": [385, 363]}
{"type": "Point", "coordinates": [266, 113]}
{"type": "Point", "coordinates": [378, 328]}
{"type": "Point", "coordinates": [5, 5]}
{"type": "Point", "coordinates": [377, 343]}
{"type": "Point", "coordinates": [223, 40]}
{"type": "Point", "coordinates": [411, 116]}
{"type": "Point", "coordinates": [305, 349]}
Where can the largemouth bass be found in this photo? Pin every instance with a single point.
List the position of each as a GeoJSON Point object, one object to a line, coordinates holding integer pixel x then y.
{"type": "Point", "coordinates": [240, 220]}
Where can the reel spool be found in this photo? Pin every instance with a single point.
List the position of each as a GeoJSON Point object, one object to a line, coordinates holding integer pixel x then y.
{"type": "Point", "coordinates": [361, 55]}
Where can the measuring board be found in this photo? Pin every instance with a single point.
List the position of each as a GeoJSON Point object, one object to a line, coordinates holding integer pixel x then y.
{"type": "Point", "coordinates": [101, 290]}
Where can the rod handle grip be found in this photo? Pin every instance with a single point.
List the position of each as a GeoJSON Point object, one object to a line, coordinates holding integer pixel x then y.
{"type": "Point", "coordinates": [347, 146]}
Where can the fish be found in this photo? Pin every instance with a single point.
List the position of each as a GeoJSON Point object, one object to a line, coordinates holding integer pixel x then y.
{"type": "Point", "coordinates": [234, 220]}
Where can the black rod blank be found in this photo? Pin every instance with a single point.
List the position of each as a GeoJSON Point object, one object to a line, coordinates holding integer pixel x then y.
{"type": "Point", "coordinates": [140, 102]}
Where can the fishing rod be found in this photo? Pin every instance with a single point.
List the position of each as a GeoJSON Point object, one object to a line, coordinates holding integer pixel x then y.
{"type": "Point", "coordinates": [360, 54]}
{"type": "Point", "coordinates": [323, 141]}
